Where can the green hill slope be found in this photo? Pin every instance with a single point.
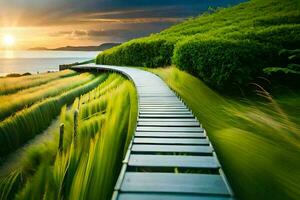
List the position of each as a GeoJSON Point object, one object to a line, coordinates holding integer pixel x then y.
{"type": "Point", "coordinates": [257, 142]}
{"type": "Point", "coordinates": [226, 48]}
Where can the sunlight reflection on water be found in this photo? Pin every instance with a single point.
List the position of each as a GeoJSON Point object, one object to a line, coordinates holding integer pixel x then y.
{"type": "Point", "coordinates": [39, 61]}
{"type": "Point", "coordinates": [8, 54]}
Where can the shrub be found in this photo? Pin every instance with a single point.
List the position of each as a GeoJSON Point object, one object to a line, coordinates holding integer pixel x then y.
{"type": "Point", "coordinates": [223, 63]}
{"type": "Point", "coordinates": [147, 53]}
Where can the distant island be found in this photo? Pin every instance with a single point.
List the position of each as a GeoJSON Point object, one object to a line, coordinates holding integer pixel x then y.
{"type": "Point", "coordinates": [101, 47]}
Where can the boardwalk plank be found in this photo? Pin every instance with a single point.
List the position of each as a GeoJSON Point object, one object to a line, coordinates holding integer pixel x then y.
{"type": "Point", "coordinates": [170, 134]}
{"type": "Point", "coordinates": [170, 141]}
{"type": "Point", "coordinates": [163, 196]}
{"type": "Point", "coordinates": [169, 129]}
{"type": "Point", "coordinates": [140, 160]}
{"type": "Point", "coordinates": [166, 116]}
{"type": "Point", "coordinates": [170, 124]}
{"type": "Point", "coordinates": [171, 148]}
{"type": "Point", "coordinates": [164, 110]}
{"type": "Point", "coordinates": [168, 120]}
{"type": "Point", "coordinates": [170, 182]}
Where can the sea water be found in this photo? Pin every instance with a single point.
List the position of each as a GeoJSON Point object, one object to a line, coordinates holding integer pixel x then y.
{"type": "Point", "coordinates": [39, 61]}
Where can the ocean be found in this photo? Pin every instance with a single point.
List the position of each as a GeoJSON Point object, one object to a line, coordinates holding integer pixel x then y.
{"type": "Point", "coordinates": [39, 61]}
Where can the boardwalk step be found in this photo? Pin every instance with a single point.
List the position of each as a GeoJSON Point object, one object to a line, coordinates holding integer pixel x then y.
{"type": "Point", "coordinates": [164, 110]}
{"type": "Point", "coordinates": [207, 162]}
{"type": "Point", "coordinates": [168, 120]}
{"type": "Point", "coordinates": [171, 148]}
{"type": "Point", "coordinates": [162, 106]}
{"type": "Point", "coordinates": [170, 124]}
{"type": "Point", "coordinates": [156, 103]}
{"type": "Point", "coordinates": [170, 134]}
{"type": "Point", "coordinates": [159, 101]}
{"type": "Point", "coordinates": [169, 129]}
{"type": "Point", "coordinates": [178, 105]}
{"type": "Point", "coordinates": [170, 182]}
{"type": "Point", "coordinates": [163, 196]}
{"type": "Point", "coordinates": [167, 116]}
{"type": "Point", "coordinates": [159, 98]}
{"type": "Point", "coordinates": [156, 95]}
{"type": "Point", "coordinates": [170, 141]}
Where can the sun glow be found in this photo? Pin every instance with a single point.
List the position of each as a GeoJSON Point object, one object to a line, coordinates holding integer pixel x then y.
{"type": "Point", "coordinates": [8, 40]}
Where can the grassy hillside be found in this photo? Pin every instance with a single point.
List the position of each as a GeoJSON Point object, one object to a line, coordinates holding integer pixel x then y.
{"type": "Point", "coordinates": [226, 49]}
{"type": "Point", "coordinates": [258, 142]}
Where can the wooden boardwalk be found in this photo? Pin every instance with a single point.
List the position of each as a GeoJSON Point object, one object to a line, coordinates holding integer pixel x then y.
{"type": "Point", "coordinates": [170, 156]}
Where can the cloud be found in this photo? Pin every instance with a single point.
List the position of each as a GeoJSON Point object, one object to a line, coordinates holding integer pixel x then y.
{"type": "Point", "coordinates": [60, 33]}
{"type": "Point", "coordinates": [119, 32]}
{"type": "Point", "coordinates": [88, 22]}
{"type": "Point", "coordinates": [79, 33]}
{"type": "Point", "coordinates": [71, 34]}
{"type": "Point", "coordinates": [53, 12]}
{"type": "Point", "coordinates": [116, 34]}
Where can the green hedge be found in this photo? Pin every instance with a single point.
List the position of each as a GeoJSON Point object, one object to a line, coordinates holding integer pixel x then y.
{"type": "Point", "coordinates": [147, 53]}
{"type": "Point", "coordinates": [283, 36]}
{"type": "Point", "coordinates": [223, 64]}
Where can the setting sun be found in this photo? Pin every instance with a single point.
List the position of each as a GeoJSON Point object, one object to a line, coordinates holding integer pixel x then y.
{"type": "Point", "coordinates": [8, 40]}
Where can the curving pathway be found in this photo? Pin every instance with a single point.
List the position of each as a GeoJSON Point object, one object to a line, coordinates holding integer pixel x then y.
{"type": "Point", "coordinates": [170, 156]}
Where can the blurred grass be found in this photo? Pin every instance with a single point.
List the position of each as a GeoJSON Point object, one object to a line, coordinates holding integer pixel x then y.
{"type": "Point", "coordinates": [25, 124]}
{"type": "Point", "coordinates": [14, 102]}
{"type": "Point", "coordinates": [88, 167]}
{"type": "Point", "coordinates": [11, 85]}
{"type": "Point", "coordinates": [257, 141]}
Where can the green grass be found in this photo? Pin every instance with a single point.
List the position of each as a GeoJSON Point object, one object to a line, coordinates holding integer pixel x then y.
{"type": "Point", "coordinates": [89, 167]}
{"type": "Point", "coordinates": [257, 140]}
{"type": "Point", "coordinates": [25, 124]}
{"type": "Point", "coordinates": [219, 48]}
{"type": "Point", "coordinates": [12, 85]}
{"type": "Point", "coordinates": [25, 98]}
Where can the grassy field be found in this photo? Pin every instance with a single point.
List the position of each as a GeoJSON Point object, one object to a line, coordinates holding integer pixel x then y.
{"type": "Point", "coordinates": [257, 140]}
{"type": "Point", "coordinates": [10, 85]}
{"type": "Point", "coordinates": [34, 108]}
{"type": "Point", "coordinates": [89, 163]}
{"type": "Point", "coordinates": [14, 102]}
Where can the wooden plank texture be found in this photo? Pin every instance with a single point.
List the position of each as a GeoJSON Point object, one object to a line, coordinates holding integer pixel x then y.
{"type": "Point", "coordinates": [170, 141]}
{"type": "Point", "coordinates": [170, 182]}
{"type": "Point", "coordinates": [169, 129]}
{"type": "Point", "coordinates": [164, 196]}
{"type": "Point", "coordinates": [170, 134]}
{"type": "Point", "coordinates": [171, 148]}
{"type": "Point", "coordinates": [140, 160]}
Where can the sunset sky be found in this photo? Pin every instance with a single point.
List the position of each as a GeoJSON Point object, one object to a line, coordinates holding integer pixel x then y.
{"type": "Point", "coordinates": [56, 23]}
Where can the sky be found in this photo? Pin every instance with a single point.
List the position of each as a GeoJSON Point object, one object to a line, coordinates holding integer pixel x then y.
{"type": "Point", "coordinates": [56, 23]}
